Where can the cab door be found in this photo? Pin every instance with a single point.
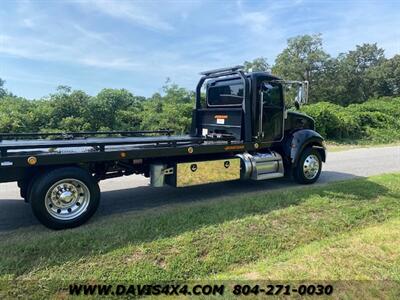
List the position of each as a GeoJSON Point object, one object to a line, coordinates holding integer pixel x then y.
{"type": "Point", "coordinates": [271, 112]}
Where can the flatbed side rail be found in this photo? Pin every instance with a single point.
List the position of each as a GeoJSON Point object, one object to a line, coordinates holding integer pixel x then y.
{"type": "Point", "coordinates": [72, 135]}
{"type": "Point", "coordinates": [99, 144]}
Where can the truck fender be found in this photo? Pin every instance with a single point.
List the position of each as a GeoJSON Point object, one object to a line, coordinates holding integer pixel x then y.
{"type": "Point", "coordinates": [299, 140]}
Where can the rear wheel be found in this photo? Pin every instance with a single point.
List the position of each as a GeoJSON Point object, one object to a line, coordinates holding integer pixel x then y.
{"type": "Point", "coordinates": [64, 198]}
{"type": "Point", "coordinates": [308, 167]}
{"type": "Point", "coordinates": [23, 189]}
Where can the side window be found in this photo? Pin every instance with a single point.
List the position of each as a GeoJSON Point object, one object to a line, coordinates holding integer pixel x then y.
{"type": "Point", "coordinates": [273, 96]}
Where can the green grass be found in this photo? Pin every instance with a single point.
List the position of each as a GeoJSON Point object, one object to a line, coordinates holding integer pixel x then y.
{"type": "Point", "coordinates": [341, 231]}
{"type": "Point", "coordinates": [374, 251]}
{"type": "Point", "coordinates": [335, 146]}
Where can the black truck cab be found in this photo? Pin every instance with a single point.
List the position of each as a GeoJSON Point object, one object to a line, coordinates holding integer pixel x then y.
{"type": "Point", "coordinates": [252, 108]}
{"type": "Point", "coordinates": [228, 106]}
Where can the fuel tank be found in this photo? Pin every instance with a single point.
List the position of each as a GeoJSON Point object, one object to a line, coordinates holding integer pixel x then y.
{"type": "Point", "coordinates": [260, 166]}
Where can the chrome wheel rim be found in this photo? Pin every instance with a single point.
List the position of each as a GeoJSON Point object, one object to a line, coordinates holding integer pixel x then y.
{"type": "Point", "coordinates": [311, 166]}
{"type": "Point", "coordinates": [67, 199]}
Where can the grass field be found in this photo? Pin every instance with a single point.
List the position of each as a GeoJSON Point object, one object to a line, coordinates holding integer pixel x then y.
{"type": "Point", "coordinates": [333, 146]}
{"type": "Point", "coordinates": [342, 231]}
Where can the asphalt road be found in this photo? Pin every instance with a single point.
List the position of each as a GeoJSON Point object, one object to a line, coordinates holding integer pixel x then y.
{"type": "Point", "coordinates": [132, 193]}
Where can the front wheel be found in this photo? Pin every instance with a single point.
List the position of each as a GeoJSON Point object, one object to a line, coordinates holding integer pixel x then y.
{"type": "Point", "coordinates": [308, 167]}
{"type": "Point", "coordinates": [64, 198]}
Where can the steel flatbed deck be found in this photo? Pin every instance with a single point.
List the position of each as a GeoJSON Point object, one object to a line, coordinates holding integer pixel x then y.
{"type": "Point", "coordinates": [97, 143]}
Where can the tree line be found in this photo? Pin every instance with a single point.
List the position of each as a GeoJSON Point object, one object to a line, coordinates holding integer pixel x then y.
{"type": "Point", "coordinates": [111, 109]}
{"type": "Point", "coordinates": [349, 78]}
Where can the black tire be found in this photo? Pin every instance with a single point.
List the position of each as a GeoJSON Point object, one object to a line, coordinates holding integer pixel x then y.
{"type": "Point", "coordinates": [52, 186]}
{"type": "Point", "coordinates": [23, 189]}
{"type": "Point", "coordinates": [300, 172]}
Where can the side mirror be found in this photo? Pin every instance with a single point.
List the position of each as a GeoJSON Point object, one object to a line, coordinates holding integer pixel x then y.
{"type": "Point", "coordinates": [298, 100]}
{"type": "Point", "coordinates": [296, 91]}
{"type": "Point", "coordinates": [302, 94]}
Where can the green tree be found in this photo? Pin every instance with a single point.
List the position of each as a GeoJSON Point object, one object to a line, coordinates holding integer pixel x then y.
{"type": "Point", "coordinates": [67, 105]}
{"type": "Point", "coordinates": [257, 64]}
{"type": "Point", "coordinates": [129, 119]}
{"type": "Point", "coordinates": [16, 115]}
{"type": "Point", "coordinates": [385, 77]}
{"type": "Point", "coordinates": [302, 59]}
{"type": "Point", "coordinates": [355, 80]}
{"type": "Point", "coordinates": [110, 103]}
{"type": "Point", "coordinates": [327, 87]}
{"type": "Point", "coordinates": [3, 91]}
{"type": "Point", "coordinates": [172, 110]}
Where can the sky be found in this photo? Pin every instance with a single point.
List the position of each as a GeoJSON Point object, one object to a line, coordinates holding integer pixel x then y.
{"type": "Point", "coordinates": [136, 45]}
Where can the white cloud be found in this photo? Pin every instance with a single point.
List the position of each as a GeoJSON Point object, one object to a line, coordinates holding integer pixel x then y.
{"type": "Point", "coordinates": [90, 34]}
{"type": "Point", "coordinates": [34, 48]}
{"type": "Point", "coordinates": [134, 40]}
{"type": "Point", "coordinates": [164, 61]}
{"type": "Point", "coordinates": [363, 23]}
{"type": "Point", "coordinates": [28, 23]}
{"type": "Point", "coordinates": [133, 12]}
{"type": "Point", "coordinates": [256, 21]}
{"type": "Point", "coordinates": [109, 63]}
{"type": "Point", "coordinates": [31, 48]}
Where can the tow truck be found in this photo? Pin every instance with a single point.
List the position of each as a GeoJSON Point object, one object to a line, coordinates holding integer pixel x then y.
{"type": "Point", "coordinates": [242, 129]}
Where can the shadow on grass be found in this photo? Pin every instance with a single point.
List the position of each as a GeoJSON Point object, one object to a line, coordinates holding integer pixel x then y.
{"type": "Point", "coordinates": [15, 213]}
{"type": "Point", "coordinates": [28, 249]}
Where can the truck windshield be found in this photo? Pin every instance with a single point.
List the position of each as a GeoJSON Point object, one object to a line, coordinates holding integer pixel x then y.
{"type": "Point", "coordinates": [227, 94]}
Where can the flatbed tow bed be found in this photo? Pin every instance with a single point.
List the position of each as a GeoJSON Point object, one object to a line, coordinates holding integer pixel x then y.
{"type": "Point", "coordinates": [242, 130]}
{"type": "Point", "coordinates": [9, 147]}
{"type": "Point", "coordinates": [85, 150]}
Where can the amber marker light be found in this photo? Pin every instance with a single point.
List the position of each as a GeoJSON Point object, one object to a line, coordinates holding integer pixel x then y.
{"type": "Point", "coordinates": [32, 160]}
